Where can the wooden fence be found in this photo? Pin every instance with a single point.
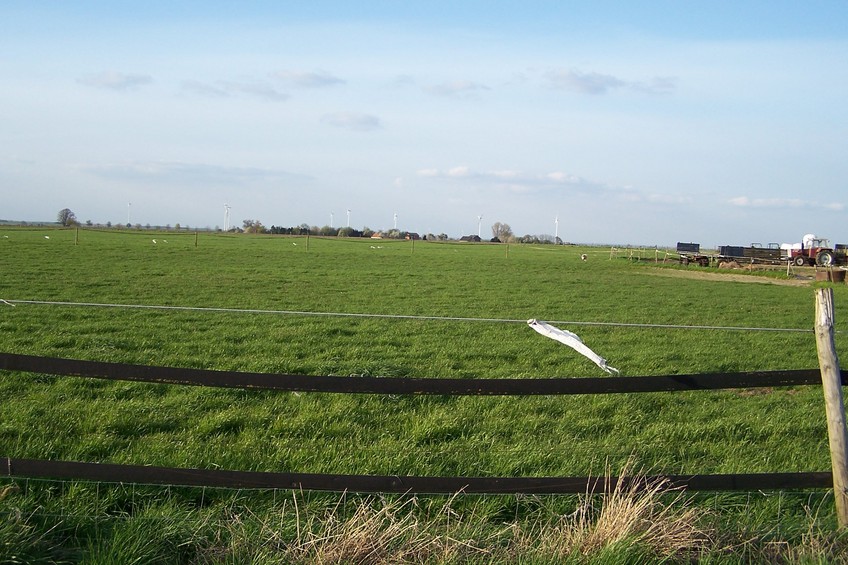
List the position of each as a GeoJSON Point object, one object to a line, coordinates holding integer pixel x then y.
{"type": "Point", "coordinates": [377, 385]}
{"type": "Point", "coordinates": [828, 374]}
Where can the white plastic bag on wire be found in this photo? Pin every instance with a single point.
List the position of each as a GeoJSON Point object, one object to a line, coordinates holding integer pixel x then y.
{"type": "Point", "coordinates": [573, 341]}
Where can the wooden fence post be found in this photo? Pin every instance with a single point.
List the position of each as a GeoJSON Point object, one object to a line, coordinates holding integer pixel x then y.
{"type": "Point", "coordinates": [835, 409]}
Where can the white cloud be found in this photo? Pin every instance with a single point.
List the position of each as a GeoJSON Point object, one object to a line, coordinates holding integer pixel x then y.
{"type": "Point", "coordinates": [353, 121]}
{"type": "Point", "coordinates": [204, 89]}
{"type": "Point", "coordinates": [584, 83]}
{"type": "Point", "coordinates": [461, 171]}
{"type": "Point", "coordinates": [456, 89]}
{"type": "Point", "coordinates": [113, 80]}
{"type": "Point", "coordinates": [184, 173]}
{"type": "Point", "coordinates": [257, 89]}
{"type": "Point", "coordinates": [782, 203]}
{"type": "Point", "coordinates": [305, 79]}
{"type": "Point", "coordinates": [553, 184]}
{"type": "Point", "coordinates": [561, 177]}
{"type": "Point", "coordinates": [225, 89]}
{"type": "Point", "coordinates": [656, 85]}
{"type": "Point", "coordinates": [597, 84]}
{"type": "Point", "coordinates": [512, 180]}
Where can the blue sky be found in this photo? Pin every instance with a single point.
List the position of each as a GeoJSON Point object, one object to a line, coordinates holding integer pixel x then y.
{"type": "Point", "coordinates": [640, 123]}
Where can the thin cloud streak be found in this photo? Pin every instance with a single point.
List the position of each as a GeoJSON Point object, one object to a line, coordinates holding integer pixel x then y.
{"type": "Point", "coordinates": [227, 89]}
{"type": "Point", "coordinates": [782, 203]}
{"type": "Point", "coordinates": [113, 80]}
{"type": "Point", "coordinates": [186, 173]}
{"type": "Point", "coordinates": [596, 84]}
{"type": "Point", "coordinates": [456, 89]}
{"type": "Point", "coordinates": [305, 79]}
{"type": "Point", "coordinates": [353, 121]}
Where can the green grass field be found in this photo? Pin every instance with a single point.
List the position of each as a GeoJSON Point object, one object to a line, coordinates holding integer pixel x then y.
{"type": "Point", "coordinates": [394, 309]}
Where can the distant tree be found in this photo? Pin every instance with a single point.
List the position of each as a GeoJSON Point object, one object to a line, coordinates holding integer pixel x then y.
{"type": "Point", "coordinates": [253, 226]}
{"type": "Point", "coordinates": [350, 232]}
{"type": "Point", "coordinates": [502, 232]}
{"type": "Point", "coordinates": [66, 217]}
{"type": "Point", "coordinates": [88, 222]}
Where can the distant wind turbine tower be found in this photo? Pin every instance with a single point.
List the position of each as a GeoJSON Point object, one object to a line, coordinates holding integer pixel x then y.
{"type": "Point", "coordinates": [479, 224]}
{"type": "Point", "coordinates": [331, 219]}
{"type": "Point", "coordinates": [556, 227]}
{"type": "Point", "coordinates": [395, 220]}
{"type": "Point", "coordinates": [348, 218]}
{"type": "Point", "coordinates": [226, 217]}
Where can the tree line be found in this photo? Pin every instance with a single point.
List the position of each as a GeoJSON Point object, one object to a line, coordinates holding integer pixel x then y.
{"type": "Point", "coordinates": [501, 232]}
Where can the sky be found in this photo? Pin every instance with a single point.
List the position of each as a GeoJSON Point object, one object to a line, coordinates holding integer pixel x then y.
{"type": "Point", "coordinates": [649, 123]}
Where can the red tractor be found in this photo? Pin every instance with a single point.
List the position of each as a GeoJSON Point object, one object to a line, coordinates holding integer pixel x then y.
{"type": "Point", "coordinates": [817, 251]}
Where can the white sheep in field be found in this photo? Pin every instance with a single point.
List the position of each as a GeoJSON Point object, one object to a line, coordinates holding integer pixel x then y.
{"type": "Point", "coordinates": [583, 257]}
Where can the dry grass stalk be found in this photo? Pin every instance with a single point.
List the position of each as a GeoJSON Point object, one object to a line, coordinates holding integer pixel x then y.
{"type": "Point", "coordinates": [637, 513]}
{"type": "Point", "coordinates": [633, 512]}
{"type": "Point", "coordinates": [381, 531]}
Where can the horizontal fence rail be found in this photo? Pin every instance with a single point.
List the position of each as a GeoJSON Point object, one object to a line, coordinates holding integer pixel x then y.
{"type": "Point", "coordinates": [399, 385]}
{"type": "Point", "coordinates": [139, 474]}
{"type": "Point", "coordinates": [142, 474]}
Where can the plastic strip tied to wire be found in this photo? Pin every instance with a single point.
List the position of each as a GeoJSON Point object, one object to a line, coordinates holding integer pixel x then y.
{"type": "Point", "coordinates": [573, 341]}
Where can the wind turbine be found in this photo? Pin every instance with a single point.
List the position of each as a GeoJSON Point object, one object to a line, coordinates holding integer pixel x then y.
{"type": "Point", "coordinates": [226, 217]}
{"type": "Point", "coordinates": [331, 219]}
{"type": "Point", "coordinates": [556, 228]}
{"type": "Point", "coordinates": [479, 224]}
{"type": "Point", "coordinates": [348, 218]}
{"type": "Point", "coordinates": [128, 213]}
{"type": "Point", "coordinates": [395, 220]}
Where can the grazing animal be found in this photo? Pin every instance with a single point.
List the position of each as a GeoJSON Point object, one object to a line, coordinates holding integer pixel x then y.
{"type": "Point", "coordinates": [583, 257]}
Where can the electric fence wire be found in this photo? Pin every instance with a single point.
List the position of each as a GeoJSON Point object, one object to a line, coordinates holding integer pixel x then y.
{"type": "Point", "coordinates": [214, 309]}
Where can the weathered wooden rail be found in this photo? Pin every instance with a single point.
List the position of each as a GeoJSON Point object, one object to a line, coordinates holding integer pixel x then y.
{"type": "Point", "coordinates": [828, 374]}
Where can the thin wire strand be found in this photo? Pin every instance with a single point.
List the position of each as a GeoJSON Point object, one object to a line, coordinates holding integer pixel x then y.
{"type": "Point", "coordinates": [12, 302]}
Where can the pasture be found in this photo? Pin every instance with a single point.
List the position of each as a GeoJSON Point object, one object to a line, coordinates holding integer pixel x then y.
{"type": "Point", "coordinates": [393, 309]}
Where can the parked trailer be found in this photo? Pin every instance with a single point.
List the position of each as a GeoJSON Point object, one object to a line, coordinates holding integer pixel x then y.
{"type": "Point", "coordinates": [755, 253]}
{"type": "Point", "coordinates": [691, 253]}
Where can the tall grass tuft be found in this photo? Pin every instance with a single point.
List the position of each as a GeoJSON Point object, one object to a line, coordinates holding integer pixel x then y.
{"type": "Point", "coordinates": [377, 530]}
{"type": "Point", "coordinates": [636, 518]}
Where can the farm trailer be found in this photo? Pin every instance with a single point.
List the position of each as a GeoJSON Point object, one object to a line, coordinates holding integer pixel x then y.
{"type": "Point", "coordinates": [691, 253]}
{"type": "Point", "coordinates": [755, 253]}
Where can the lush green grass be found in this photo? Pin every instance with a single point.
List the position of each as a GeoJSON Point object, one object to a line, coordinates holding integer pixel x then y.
{"type": "Point", "coordinates": [718, 432]}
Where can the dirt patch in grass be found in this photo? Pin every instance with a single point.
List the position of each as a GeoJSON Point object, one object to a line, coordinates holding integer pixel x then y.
{"type": "Point", "coordinates": [729, 276]}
